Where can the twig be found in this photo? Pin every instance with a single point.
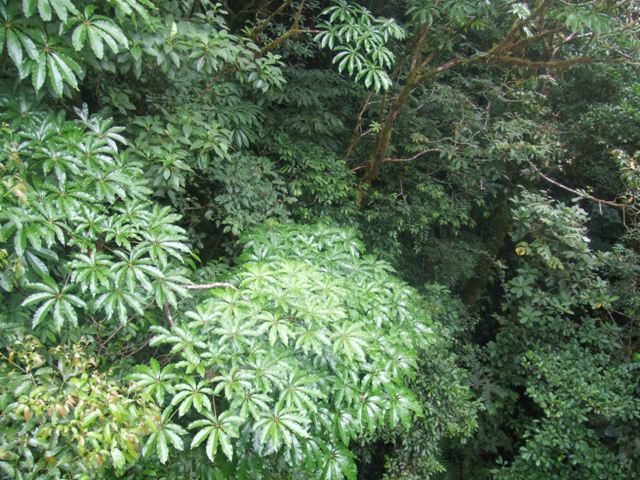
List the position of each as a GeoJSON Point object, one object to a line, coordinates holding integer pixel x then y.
{"type": "Point", "coordinates": [121, 326]}
{"type": "Point", "coordinates": [113, 334]}
{"type": "Point", "coordinates": [167, 312]}
{"type": "Point", "coordinates": [143, 345]}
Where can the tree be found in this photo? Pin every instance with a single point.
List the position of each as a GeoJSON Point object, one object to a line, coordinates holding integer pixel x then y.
{"type": "Point", "coordinates": [187, 193]}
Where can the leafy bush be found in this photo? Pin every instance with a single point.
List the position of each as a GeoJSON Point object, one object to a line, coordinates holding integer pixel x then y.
{"type": "Point", "coordinates": [284, 372]}
{"type": "Point", "coordinates": [150, 150]}
{"type": "Point", "coordinates": [63, 417]}
{"type": "Point", "coordinates": [78, 227]}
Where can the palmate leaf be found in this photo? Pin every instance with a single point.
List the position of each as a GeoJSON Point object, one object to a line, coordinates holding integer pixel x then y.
{"type": "Point", "coordinates": [64, 67]}
{"type": "Point", "coordinates": [59, 161]}
{"type": "Point", "coordinates": [135, 268]}
{"type": "Point", "coordinates": [401, 407]}
{"type": "Point", "coordinates": [235, 383]}
{"type": "Point", "coordinates": [374, 76]}
{"type": "Point", "coordinates": [89, 223]}
{"type": "Point", "coordinates": [236, 331]}
{"type": "Point", "coordinates": [167, 434]}
{"type": "Point", "coordinates": [345, 426]}
{"type": "Point", "coordinates": [313, 339]}
{"type": "Point", "coordinates": [254, 404]}
{"type": "Point", "coordinates": [281, 426]}
{"type": "Point", "coordinates": [268, 371]}
{"type": "Point", "coordinates": [117, 300]}
{"type": "Point", "coordinates": [218, 431]}
{"type": "Point", "coordinates": [183, 341]}
{"type": "Point", "coordinates": [110, 186]}
{"type": "Point", "coordinates": [370, 410]}
{"type": "Point", "coordinates": [164, 245]}
{"type": "Point", "coordinates": [56, 65]}
{"type": "Point", "coordinates": [103, 131]}
{"type": "Point", "coordinates": [18, 43]}
{"type": "Point", "coordinates": [55, 300]}
{"type": "Point", "coordinates": [91, 272]}
{"type": "Point", "coordinates": [349, 58]}
{"type": "Point", "coordinates": [351, 340]}
{"type": "Point", "coordinates": [192, 393]}
{"type": "Point", "coordinates": [50, 226]}
{"type": "Point", "coordinates": [98, 30]}
{"type": "Point", "coordinates": [128, 7]}
{"type": "Point", "coordinates": [336, 463]}
{"type": "Point", "coordinates": [62, 9]}
{"type": "Point", "coordinates": [153, 381]}
{"type": "Point", "coordinates": [36, 259]}
{"type": "Point", "coordinates": [299, 392]}
{"type": "Point", "coordinates": [167, 287]}
{"type": "Point", "coordinates": [279, 328]}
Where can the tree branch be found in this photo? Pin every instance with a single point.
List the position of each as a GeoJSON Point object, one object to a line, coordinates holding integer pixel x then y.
{"type": "Point", "coordinates": [293, 32]}
{"type": "Point", "coordinates": [411, 159]}
{"type": "Point", "coordinates": [579, 193]}
{"type": "Point", "coordinates": [399, 160]}
{"type": "Point", "coordinates": [506, 42]}
{"type": "Point", "coordinates": [355, 136]}
{"type": "Point", "coordinates": [523, 62]}
{"type": "Point", "coordinates": [257, 30]}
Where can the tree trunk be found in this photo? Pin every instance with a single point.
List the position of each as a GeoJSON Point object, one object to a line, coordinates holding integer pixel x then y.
{"type": "Point", "coordinates": [476, 286]}
{"type": "Point", "coordinates": [380, 148]}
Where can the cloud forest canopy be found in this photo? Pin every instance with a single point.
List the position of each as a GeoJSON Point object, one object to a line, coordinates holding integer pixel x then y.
{"type": "Point", "coordinates": [293, 239]}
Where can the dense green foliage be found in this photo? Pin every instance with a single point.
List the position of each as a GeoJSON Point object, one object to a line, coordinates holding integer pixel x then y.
{"type": "Point", "coordinates": [319, 239]}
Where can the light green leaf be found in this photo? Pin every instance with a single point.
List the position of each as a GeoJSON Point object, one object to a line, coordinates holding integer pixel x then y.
{"type": "Point", "coordinates": [41, 312]}
{"type": "Point", "coordinates": [28, 7]}
{"type": "Point", "coordinates": [95, 41]}
{"type": "Point", "coordinates": [200, 436]}
{"type": "Point", "coordinates": [162, 448]}
{"type": "Point", "coordinates": [212, 444]}
{"type": "Point", "coordinates": [55, 79]}
{"type": "Point", "coordinates": [67, 74]}
{"type": "Point", "coordinates": [28, 45]}
{"type": "Point", "coordinates": [79, 37]}
{"type": "Point", "coordinates": [117, 457]}
{"type": "Point", "coordinates": [39, 72]}
{"type": "Point", "coordinates": [44, 10]}
{"type": "Point", "coordinates": [14, 48]}
{"type": "Point", "coordinates": [113, 31]}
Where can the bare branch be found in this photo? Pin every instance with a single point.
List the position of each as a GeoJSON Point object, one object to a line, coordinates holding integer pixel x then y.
{"type": "Point", "coordinates": [399, 160]}
{"type": "Point", "coordinates": [167, 312]}
{"type": "Point", "coordinates": [357, 129]}
{"type": "Point", "coordinates": [579, 193]}
{"type": "Point", "coordinates": [411, 159]}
